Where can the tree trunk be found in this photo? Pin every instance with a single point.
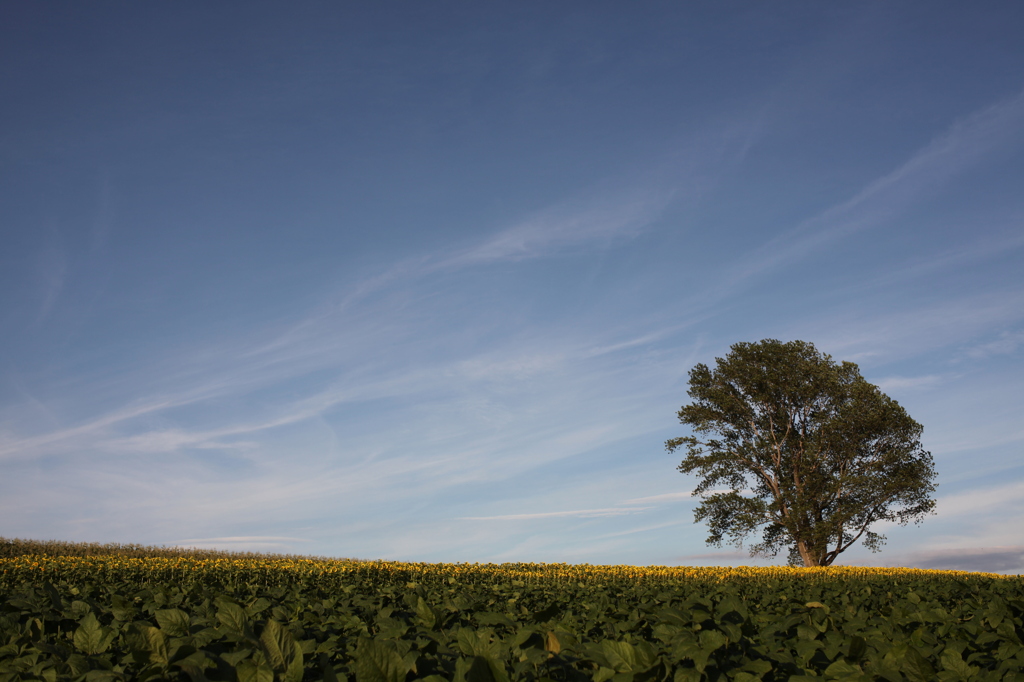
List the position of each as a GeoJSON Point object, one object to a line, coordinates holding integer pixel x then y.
{"type": "Point", "coordinates": [805, 553]}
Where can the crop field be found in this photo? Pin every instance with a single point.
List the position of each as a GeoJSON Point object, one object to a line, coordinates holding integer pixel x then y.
{"type": "Point", "coordinates": [251, 618]}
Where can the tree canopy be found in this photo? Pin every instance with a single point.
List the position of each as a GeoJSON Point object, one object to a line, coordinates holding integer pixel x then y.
{"type": "Point", "coordinates": [789, 442]}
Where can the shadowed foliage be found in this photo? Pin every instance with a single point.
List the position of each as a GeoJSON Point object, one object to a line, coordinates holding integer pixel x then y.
{"type": "Point", "coordinates": [172, 619]}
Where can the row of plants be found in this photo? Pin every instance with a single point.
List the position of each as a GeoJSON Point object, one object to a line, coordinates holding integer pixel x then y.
{"type": "Point", "coordinates": [180, 618]}
{"type": "Point", "coordinates": [15, 547]}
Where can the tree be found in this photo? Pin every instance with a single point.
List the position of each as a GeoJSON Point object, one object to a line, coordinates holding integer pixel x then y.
{"type": "Point", "coordinates": [788, 441]}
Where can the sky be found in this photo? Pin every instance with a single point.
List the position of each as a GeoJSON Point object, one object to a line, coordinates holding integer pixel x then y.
{"type": "Point", "coordinates": [424, 281]}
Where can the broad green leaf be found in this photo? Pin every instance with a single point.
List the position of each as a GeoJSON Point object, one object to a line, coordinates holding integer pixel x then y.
{"type": "Point", "coordinates": [841, 668]}
{"type": "Point", "coordinates": [646, 655]}
{"type": "Point", "coordinates": [478, 643]}
{"type": "Point", "coordinates": [712, 640]}
{"type": "Point", "coordinates": [916, 667]}
{"type": "Point", "coordinates": [426, 615]}
{"type": "Point", "coordinates": [121, 608]}
{"type": "Point", "coordinates": [758, 667]}
{"type": "Point", "coordinates": [731, 604]}
{"type": "Point", "coordinates": [235, 657]}
{"type": "Point", "coordinates": [232, 617]}
{"type": "Point", "coordinates": [257, 607]}
{"type": "Point", "coordinates": [377, 662]}
{"type": "Point", "coordinates": [249, 671]}
{"type": "Point", "coordinates": [743, 676]}
{"type": "Point", "coordinates": [92, 638]}
{"type": "Point", "coordinates": [551, 642]}
{"type": "Point", "coordinates": [491, 618]}
{"type": "Point", "coordinates": [952, 661]}
{"type": "Point", "coordinates": [79, 609]}
{"type": "Point", "coordinates": [174, 622]}
{"type": "Point", "coordinates": [78, 664]}
{"type": "Point", "coordinates": [195, 672]}
{"type": "Point", "coordinates": [858, 647]}
{"type": "Point", "coordinates": [148, 645]}
{"type": "Point", "coordinates": [691, 650]}
{"type": "Point", "coordinates": [282, 652]}
{"type": "Point", "coordinates": [479, 669]}
{"type": "Point", "coordinates": [667, 632]}
{"type": "Point", "coordinates": [621, 656]}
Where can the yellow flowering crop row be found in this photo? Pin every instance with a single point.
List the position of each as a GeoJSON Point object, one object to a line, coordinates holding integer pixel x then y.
{"type": "Point", "coordinates": [252, 570]}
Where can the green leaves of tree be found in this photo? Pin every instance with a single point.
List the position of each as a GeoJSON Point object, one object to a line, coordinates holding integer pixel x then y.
{"type": "Point", "coordinates": [807, 451]}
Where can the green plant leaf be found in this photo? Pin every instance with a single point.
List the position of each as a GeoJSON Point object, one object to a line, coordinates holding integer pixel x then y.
{"type": "Point", "coordinates": [233, 658]}
{"type": "Point", "coordinates": [858, 647]}
{"type": "Point", "coordinates": [148, 645]}
{"type": "Point", "coordinates": [424, 613]}
{"type": "Point", "coordinates": [377, 662]}
{"type": "Point", "coordinates": [478, 643]}
{"type": "Point", "coordinates": [551, 643]}
{"type": "Point", "coordinates": [621, 656]}
{"type": "Point", "coordinates": [841, 668]}
{"type": "Point", "coordinates": [232, 617]}
{"type": "Point", "coordinates": [478, 669]}
{"type": "Point", "coordinates": [174, 622]}
{"type": "Point", "coordinates": [92, 638]}
{"type": "Point", "coordinates": [952, 661]}
{"type": "Point", "coordinates": [257, 607]}
{"type": "Point", "coordinates": [916, 667]}
{"type": "Point", "coordinates": [250, 671]}
{"type": "Point", "coordinates": [282, 652]}
{"type": "Point", "coordinates": [712, 640]}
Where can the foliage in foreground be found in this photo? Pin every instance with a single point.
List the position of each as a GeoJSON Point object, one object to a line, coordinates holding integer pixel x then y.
{"type": "Point", "coordinates": [119, 618]}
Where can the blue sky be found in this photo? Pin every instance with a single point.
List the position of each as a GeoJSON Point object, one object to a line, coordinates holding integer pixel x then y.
{"type": "Point", "coordinates": [424, 281]}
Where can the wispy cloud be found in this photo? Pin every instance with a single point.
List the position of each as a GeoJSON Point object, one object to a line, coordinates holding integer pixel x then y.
{"type": "Point", "coordinates": [245, 543]}
{"type": "Point", "coordinates": [12, 445]}
{"type": "Point", "coordinates": [1009, 237]}
{"type": "Point", "coordinates": [573, 513]}
{"type": "Point", "coordinates": [994, 559]}
{"type": "Point", "coordinates": [727, 558]}
{"type": "Point", "coordinates": [239, 539]}
{"type": "Point", "coordinates": [51, 273]}
{"type": "Point", "coordinates": [982, 500]}
{"type": "Point", "coordinates": [868, 335]}
{"type": "Point", "coordinates": [985, 559]}
{"type": "Point", "coordinates": [908, 383]}
{"type": "Point", "coordinates": [592, 220]}
{"type": "Point", "coordinates": [966, 143]}
{"type": "Point", "coordinates": [1005, 344]}
{"type": "Point", "coordinates": [565, 226]}
{"type": "Point", "coordinates": [666, 497]}
{"type": "Point", "coordinates": [643, 529]}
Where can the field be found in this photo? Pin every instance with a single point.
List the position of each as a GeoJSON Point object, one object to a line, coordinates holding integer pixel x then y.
{"type": "Point", "coordinates": [118, 613]}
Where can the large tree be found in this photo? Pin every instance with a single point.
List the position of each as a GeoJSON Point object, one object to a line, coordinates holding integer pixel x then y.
{"type": "Point", "coordinates": [790, 442]}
